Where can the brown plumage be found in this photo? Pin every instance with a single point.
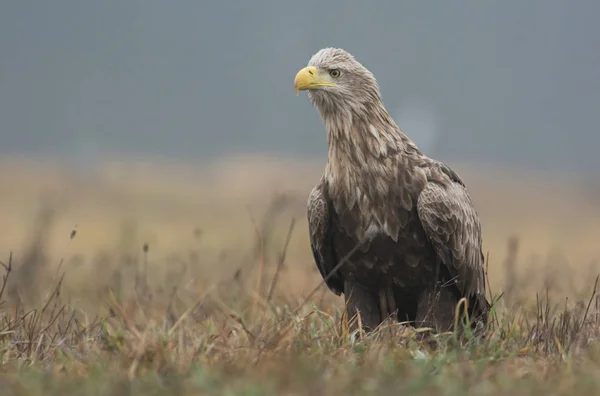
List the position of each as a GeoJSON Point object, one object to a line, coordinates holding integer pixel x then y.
{"type": "Point", "coordinates": [421, 236]}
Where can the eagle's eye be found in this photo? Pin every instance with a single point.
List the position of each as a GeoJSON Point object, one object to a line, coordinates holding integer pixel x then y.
{"type": "Point", "coordinates": [335, 73]}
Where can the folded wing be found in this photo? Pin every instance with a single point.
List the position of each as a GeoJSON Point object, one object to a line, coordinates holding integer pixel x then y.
{"type": "Point", "coordinates": [319, 228]}
{"type": "Point", "coordinates": [452, 225]}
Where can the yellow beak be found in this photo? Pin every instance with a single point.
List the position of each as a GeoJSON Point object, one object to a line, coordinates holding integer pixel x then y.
{"type": "Point", "coordinates": [309, 78]}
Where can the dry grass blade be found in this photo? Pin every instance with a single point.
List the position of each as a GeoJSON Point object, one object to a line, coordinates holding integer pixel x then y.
{"type": "Point", "coordinates": [261, 260]}
{"type": "Point", "coordinates": [141, 347]}
{"type": "Point", "coordinates": [587, 308]}
{"type": "Point", "coordinates": [329, 275]}
{"type": "Point", "coordinates": [118, 309]}
{"type": "Point", "coordinates": [5, 276]}
{"type": "Point", "coordinates": [190, 310]}
{"type": "Point", "coordinates": [281, 261]}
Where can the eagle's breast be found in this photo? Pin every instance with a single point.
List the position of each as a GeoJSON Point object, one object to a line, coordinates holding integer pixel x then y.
{"type": "Point", "coordinates": [376, 197]}
{"type": "Point", "coordinates": [377, 204]}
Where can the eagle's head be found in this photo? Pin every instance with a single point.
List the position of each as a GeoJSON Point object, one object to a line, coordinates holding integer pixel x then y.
{"type": "Point", "coordinates": [337, 83]}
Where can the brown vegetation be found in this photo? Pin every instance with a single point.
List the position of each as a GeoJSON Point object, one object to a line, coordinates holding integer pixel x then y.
{"type": "Point", "coordinates": [181, 280]}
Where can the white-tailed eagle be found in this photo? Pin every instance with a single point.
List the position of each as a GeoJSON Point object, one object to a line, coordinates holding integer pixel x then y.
{"type": "Point", "coordinates": [419, 234]}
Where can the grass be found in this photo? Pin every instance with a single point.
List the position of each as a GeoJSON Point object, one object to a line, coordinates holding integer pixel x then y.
{"type": "Point", "coordinates": [197, 293]}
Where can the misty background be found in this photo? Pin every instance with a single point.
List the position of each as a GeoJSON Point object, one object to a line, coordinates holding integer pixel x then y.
{"type": "Point", "coordinates": [502, 83]}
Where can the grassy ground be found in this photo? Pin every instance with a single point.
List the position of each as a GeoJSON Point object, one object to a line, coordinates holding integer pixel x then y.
{"type": "Point", "coordinates": [161, 280]}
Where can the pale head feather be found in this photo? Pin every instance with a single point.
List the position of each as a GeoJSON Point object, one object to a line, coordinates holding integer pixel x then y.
{"type": "Point", "coordinates": [353, 111]}
{"type": "Point", "coordinates": [356, 88]}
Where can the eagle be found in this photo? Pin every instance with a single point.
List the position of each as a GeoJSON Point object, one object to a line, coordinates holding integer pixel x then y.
{"type": "Point", "coordinates": [403, 223]}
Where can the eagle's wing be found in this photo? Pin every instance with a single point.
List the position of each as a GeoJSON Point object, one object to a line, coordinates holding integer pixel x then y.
{"type": "Point", "coordinates": [452, 225]}
{"type": "Point", "coordinates": [319, 228]}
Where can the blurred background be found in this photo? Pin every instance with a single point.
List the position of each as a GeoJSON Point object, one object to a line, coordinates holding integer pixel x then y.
{"type": "Point", "coordinates": [174, 124]}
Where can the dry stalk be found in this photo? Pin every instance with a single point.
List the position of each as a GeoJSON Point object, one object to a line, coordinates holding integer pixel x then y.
{"type": "Point", "coordinates": [281, 261]}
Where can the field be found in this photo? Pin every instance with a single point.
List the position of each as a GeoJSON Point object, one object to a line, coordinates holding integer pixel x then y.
{"type": "Point", "coordinates": [152, 278]}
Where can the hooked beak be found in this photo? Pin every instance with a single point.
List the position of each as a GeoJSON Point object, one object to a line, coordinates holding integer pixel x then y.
{"type": "Point", "coordinates": [309, 78]}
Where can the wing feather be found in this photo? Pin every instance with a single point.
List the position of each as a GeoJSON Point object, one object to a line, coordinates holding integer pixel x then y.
{"type": "Point", "coordinates": [452, 225]}
{"type": "Point", "coordinates": [320, 233]}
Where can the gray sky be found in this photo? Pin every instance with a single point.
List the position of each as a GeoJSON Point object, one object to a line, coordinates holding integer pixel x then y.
{"type": "Point", "coordinates": [506, 82]}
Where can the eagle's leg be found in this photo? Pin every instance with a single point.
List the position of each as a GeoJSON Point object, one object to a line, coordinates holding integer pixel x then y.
{"type": "Point", "coordinates": [364, 302]}
{"type": "Point", "coordinates": [435, 309]}
{"type": "Point", "coordinates": [387, 304]}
